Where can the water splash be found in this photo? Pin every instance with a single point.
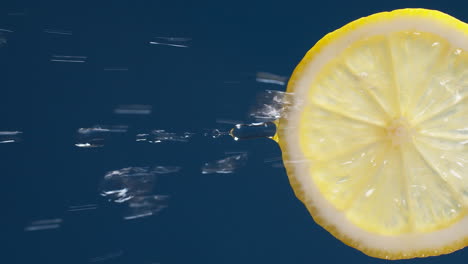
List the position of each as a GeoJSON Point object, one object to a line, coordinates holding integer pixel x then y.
{"type": "Point", "coordinates": [144, 206]}
{"type": "Point", "coordinates": [159, 135]}
{"type": "Point", "coordinates": [270, 78]}
{"type": "Point", "coordinates": [216, 133]}
{"type": "Point", "coordinates": [82, 207]}
{"type": "Point", "coordinates": [107, 257]}
{"type": "Point", "coordinates": [3, 40]}
{"type": "Point", "coordinates": [166, 169]}
{"type": "Point", "coordinates": [68, 58]}
{"type": "Point", "coordinates": [134, 187]}
{"type": "Point", "coordinates": [96, 136]}
{"type": "Point", "coordinates": [276, 162]}
{"type": "Point", "coordinates": [117, 69]}
{"type": "Point", "coordinates": [227, 121]}
{"type": "Point", "coordinates": [124, 184]}
{"type": "Point", "coordinates": [177, 42]}
{"type": "Point", "coordinates": [102, 129]}
{"type": "Point", "coordinates": [271, 105]}
{"type": "Point", "coordinates": [10, 136]}
{"type": "Point", "coordinates": [175, 39]}
{"type": "Point", "coordinates": [17, 13]}
{"type": "Point", "coordinates": [57, 31]}
{"type": "Point", "coordinates": [44, 224]}
{"type": "Point", "coordinates": [226, 165]}
{"type": "Point", "coordinates": [135, 109]}
{"type": "Point", "coordinates": [254, 130]}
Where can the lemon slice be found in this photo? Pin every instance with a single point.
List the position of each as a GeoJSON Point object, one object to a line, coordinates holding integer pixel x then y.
{"type": "Point", "coordinates": [375, 142]}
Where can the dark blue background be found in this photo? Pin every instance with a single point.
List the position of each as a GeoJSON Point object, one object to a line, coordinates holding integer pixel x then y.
{"type": "Point", "coordinates": [250, 216]}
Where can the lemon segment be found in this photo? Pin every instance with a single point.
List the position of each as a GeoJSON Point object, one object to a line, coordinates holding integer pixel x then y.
{"type": "Point", "coordinates": [434, 203]}
{"type": "Point", "coordinates": [450, 123]}
{"type": "Point", "coordinates": [324, 138]}
{"type": "Point", "coordinates": [371, 62]}
{"type": "Point", "coordinates": [375, 143]}
{"type": "Point", "coordinates": [381, 203]}
{"type": "Point", "coordinates": [445, 83]}
{"type": "Point", "coordinates": [339, 178]}
{"type": "Point", "coordinates": [417, 57]}
{"type": "Point", "coordinates": [343, 91]}
{"type": "Point", "coordinates": [448, 158]}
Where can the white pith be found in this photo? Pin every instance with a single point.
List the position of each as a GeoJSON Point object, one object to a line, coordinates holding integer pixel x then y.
{"type": "Point", "coordinates": [398, 243]}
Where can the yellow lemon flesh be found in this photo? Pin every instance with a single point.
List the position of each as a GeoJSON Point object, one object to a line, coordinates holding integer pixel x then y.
{"type": "Point", "coordinates": [375, 142]}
